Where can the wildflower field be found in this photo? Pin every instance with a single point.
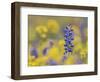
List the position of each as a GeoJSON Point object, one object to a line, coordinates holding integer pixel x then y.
{"type": "Point", "coordinates": [57, 40]}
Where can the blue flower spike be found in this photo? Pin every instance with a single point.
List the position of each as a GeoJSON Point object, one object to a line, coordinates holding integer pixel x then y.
{"type": "Point", "coordinates": [69, 37]}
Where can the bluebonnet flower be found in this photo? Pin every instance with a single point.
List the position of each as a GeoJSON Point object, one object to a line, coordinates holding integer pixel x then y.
{"type": "Point", "coordinates": [52, 62]}
{"type": "Point", "coordinates": [69, 50]}
{"type": "Point", "coordinates": [45, 51]}
{"type": "Point", "coordinates": [69, 37]}
{"type": "Point", "coordinates": [34, 52]}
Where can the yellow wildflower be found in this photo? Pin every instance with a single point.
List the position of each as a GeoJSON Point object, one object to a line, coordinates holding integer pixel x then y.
{"type": "Point", "coordinates": [83, 53]}
{"type": "Point", "coordinates": [78, 47]}
{"type": "Point", "coordinates": [30, 60]}
{"type": "Point", "coordinates": [76, 29]}
{"type": "Point", "coordinates": [70, 60]}
{"type": "Point", "coordinates": [61, 42]}
{"type": "Point", "coordinates": [42, 31]}
{"type": "Point", "coordinates": [54, 53]}
{"type": "Point", "coordinates": [53, 26]}
{"type": "Point", "coordinates": [61, 47]}
{"type": "Point", "coordinates": [45, 30]}
{"type": "Point", "coordinates": [38, 29]}
{"type": "Point", "coordinates": [43, 35]}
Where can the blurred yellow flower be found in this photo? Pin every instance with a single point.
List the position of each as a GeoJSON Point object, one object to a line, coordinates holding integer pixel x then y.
{"type": "Point", "coordinates": [38, 29]}
{"type": "Point", "coordinates": [76, 29]}
{"type": "Point", "coordinates": [70, 60]}
{"type": "Point", "coordinates": [61, 42]}
{"type": "Point", "coordinates": [30, 60]}
{"type": "Point", "coordinates": [33, 63]}
{"type": "Point", "coordinates": [45, 30]}
{"type": "Point", "coordinates": [61, 47]}
{"type": "Point", "coordinates": [40, 61]}
{"type": "Point", "coordinates": [44, 60]}
{"type": "Point", "coordinates": [78, 47]}
{"type": "Point", "coordinates": [42, 31]}
{"type": "Point", "coordinates": [53, 26]}
{"type": "Point", "coordinates": [54, 53]}
{"type": "Point", "coordinates": [77, 40]}
{"type": "Point", "coordinates": [83, 53]}
{"type": "Point", "coordinates": [43, 35]}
